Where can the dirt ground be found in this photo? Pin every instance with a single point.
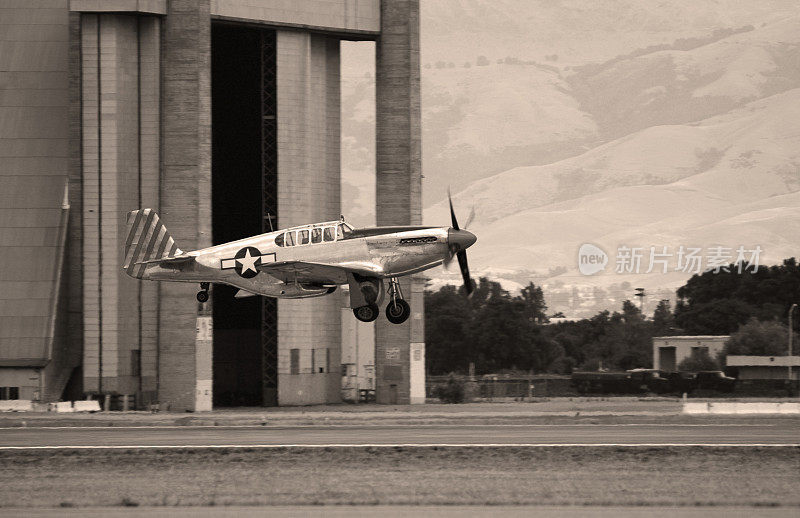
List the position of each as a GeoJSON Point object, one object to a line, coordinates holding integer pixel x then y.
{"type": "Point", "coordinates": [340, 476]}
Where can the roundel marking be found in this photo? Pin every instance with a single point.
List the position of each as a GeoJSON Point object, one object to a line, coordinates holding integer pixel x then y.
{"type": "Point", "coordinates": [248, 259]}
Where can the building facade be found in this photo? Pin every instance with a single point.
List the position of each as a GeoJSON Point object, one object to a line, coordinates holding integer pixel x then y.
{"type": "Point", "coordinates": [224, 116]}
{"type": "Point", "coordinates": [670, 351]}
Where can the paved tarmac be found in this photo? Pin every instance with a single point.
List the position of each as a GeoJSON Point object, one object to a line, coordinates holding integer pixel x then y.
{"type": "Point", "coordinates": [385, 511]}
{"type": "Point", "coordinates": [768, 433]}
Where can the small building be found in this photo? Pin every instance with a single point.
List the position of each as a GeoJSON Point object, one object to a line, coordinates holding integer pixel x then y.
{"type": "Point", "coordinates": [670, 351]}
{"type": "Point", "coordinates": [764, 367]}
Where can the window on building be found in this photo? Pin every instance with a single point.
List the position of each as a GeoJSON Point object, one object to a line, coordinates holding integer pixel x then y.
{"type": "Point", "coordinates": [9, 393]}
{"type": "Point", "coordinates": [294, 361]}
{"type": "Point", "coordinates": [316, 235]}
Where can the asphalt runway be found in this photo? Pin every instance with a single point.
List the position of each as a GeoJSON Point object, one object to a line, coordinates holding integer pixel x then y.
{"type": "Point", "coordinates": [770, 433]}
{"type": "Point", "coordinates": [387, 511]}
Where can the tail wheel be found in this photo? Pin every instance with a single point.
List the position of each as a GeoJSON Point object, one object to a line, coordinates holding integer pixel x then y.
{"type": "Point", "coordinates": [202, 296]}
{"type": "Point", "coordinates": [367, 313]}
{"type": "Point", "coordinates": [398, 311]}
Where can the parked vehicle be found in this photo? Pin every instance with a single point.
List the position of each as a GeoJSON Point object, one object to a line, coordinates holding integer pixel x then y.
{"type": "Point", "coordinates": [637, 381]}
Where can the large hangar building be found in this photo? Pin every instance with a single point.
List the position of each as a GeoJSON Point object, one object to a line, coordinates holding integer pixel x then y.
{"type": "Point", "coordinates": [223, 115]}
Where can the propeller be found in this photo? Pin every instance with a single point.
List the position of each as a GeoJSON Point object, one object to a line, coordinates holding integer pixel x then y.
{"type": "Point", "coordinates": [458, 241]}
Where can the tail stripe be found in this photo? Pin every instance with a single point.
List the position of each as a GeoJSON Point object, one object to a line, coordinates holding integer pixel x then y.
{"type": "Point", "coordinates": [135, 229]}
{"type": "Point", "coordinates": [148, 239]}
{"type": "Point", "coordinates": [145, 226]}
{"type": "Point", "coordinates": [154, 233]}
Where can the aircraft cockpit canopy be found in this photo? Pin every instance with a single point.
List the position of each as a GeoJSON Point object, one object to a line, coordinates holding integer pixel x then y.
{"type": "Point", "coordinates": [314, 234]}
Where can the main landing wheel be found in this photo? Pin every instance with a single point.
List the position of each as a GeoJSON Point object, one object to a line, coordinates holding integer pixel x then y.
{"type": "Point", "coordinates": [398, 311]}
{"type": "Point", "coordinates": [367, 313]}
{"type": "Point", "coordinates": [202, 295]}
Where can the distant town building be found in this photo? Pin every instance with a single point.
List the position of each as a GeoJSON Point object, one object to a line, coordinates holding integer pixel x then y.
{"type": "Point", "coordinates": [670, 351]}
{"type": "Point", "coordinates": [764, 367]}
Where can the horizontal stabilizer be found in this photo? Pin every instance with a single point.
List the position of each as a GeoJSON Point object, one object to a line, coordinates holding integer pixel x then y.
{"type": "Point", "coordinates": [182, 259]}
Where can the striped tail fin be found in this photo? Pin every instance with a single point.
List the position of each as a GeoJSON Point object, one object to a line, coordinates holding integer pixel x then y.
{"type": "Point", "coordinates": [148, 240]}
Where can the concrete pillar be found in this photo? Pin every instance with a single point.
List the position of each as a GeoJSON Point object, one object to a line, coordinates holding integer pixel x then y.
{"type": "Point", "coordinates": [398, 188]}
{"type": "Point", "coordinates": [309, 177]}
{"type": "Point", "coordinates": [184, 380]}
{"type": "Point", "coordinates": [120, 155]}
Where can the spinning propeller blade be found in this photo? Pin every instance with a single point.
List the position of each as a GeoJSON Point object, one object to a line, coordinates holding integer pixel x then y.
{"type": "Point", "coordinates": [458, 241]}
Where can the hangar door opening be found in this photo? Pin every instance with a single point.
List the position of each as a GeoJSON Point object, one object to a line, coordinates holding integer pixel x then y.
{"type": "Point", "coordinates": [244, 194]}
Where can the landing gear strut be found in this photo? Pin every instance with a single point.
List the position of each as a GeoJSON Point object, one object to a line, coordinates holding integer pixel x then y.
{"type": "Point", "coordinates": [202, 295]}
{"type": "Point", "coordinates": [398, 309]}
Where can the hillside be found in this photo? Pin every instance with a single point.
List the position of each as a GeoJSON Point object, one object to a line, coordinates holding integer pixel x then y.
{"type": "Point", "coordinates": [564, 122]}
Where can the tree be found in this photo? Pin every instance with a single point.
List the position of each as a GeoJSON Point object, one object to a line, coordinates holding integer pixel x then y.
{"type": "Point", "coordinates": [663, 320]}
{"type": "Point", "coordinates": [759, 338]}
{"type": "Point", "coordinates": [535, 306]}
{"type": "Point", "coordinates": [718, 303]}
{"type": "Point", "coordinates": [701, 361]}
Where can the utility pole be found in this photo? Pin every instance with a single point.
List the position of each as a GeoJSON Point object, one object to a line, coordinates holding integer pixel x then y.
{"type": "Point", "coordinates": [791, 310]}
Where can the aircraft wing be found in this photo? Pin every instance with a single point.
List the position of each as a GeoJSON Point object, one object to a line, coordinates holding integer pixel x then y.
{"type": "Point", "coordinates": [317, 273]}
{"type": "Point", "coordinates": [170, 261]}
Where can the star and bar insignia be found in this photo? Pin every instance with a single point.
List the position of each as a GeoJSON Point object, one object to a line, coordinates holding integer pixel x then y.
{"type": "Point", "coordinates": [246, 261]}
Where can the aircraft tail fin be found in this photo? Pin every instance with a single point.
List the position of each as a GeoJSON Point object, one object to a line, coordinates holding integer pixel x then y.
{"type": "Point", "coordinates": [148, 240]}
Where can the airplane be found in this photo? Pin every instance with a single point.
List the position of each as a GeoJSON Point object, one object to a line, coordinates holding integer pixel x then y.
{"type": "Point", "coordinates": [303, 261]}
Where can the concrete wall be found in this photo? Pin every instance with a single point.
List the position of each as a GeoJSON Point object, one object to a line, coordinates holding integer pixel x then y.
{"type": "Point", "coordinates": [308, 190]}
{"type": "Point", "coordinates": [684, 344]}
{"type": "Point", "coordinates": [26, 379]}
{"type": "Point", "coordinates": [185, 194]}
{"type": "Point", "coordinates": [35, 156]}
{"type": "Point", "coordinates": [343, 16]}
{"type": "Point", "coordinates": [358, 350]}
{"type": "Point", "coordinates": [120, 128]}
{"type": "Point", "coordinates": [398, 182]}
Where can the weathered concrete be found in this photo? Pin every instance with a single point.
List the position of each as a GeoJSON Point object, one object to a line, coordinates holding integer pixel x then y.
{"type": "Point", "coordinates": [359, 18]}
{"type": "Point", "coordinates": [399, 183]}
{"type": "Point", "coordinates": [185, 192]}
{"type": "Point", "coordinates": [309, 176]}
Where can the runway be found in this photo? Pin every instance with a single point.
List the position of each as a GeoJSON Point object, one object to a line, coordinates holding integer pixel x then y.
{"type": "Point", "coordinates": [771, 433]}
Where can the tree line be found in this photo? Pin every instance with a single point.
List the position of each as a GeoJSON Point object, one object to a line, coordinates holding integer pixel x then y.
{"type": "Point", "coordinates": [496, 331]}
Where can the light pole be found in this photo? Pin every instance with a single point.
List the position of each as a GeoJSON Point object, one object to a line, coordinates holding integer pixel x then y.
{"type": "Point", "coordinates": [640, 293]}
{"type": "Point", "coordinates": [791, 310]}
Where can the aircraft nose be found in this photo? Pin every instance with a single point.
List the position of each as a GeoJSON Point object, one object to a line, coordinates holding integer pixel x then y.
{"type": "Point", "coordinates": [463, 239]}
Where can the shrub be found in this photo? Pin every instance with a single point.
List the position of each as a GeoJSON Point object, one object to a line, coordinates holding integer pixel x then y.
{"type": "Point", "coordinates": [701, 361]}
{"type": "Point", "coordinates": [451, 392]}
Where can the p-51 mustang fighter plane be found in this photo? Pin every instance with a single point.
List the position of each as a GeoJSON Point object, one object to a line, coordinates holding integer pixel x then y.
{"type": "Point", "coordinates": [300, 262]}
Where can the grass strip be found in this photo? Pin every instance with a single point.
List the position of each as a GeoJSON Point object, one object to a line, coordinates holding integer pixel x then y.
{"type": "Point", "coordinates": [706, 476]}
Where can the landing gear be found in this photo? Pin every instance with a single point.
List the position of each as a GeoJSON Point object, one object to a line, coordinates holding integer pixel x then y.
{"type": "Point", "coordinates": [202, 295]}
{"type": "Point", "coordinates": [398, 309]}
{"type": "Point", "coordinates": [367, 313]}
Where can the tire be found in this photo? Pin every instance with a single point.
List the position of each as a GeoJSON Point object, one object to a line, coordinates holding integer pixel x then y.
{"type": "Point", "coordinates": [366, 313]}
{"type": "Point", "coordinates": [399, 313]}
{"type": "Point", "coordinates": [202, 296]}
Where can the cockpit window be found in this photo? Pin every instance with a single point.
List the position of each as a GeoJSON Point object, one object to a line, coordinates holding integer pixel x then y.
{"type": "Point", "coordinates": [329, 234]}
{"type": "Point", "coordinates": [316, 235]}
{"type": "Point", "coordinates": [302, 238]}
{"type": "Point", "coordinates": [290, 238]}
{"type": "Point", "coordinates": [279, 240]}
